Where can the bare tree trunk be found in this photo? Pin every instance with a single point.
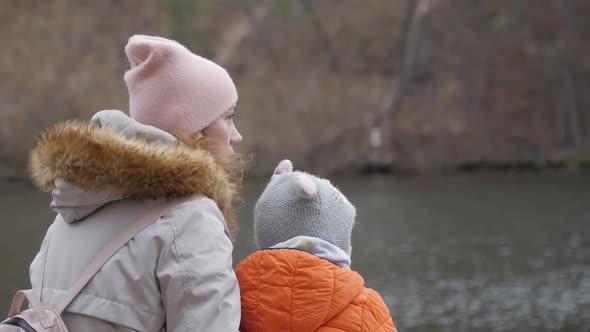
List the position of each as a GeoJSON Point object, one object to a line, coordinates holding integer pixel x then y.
{"type": "Point", "coordinates": [236, 33]}
{"type": "Point", "coordinates": [570, 119]}
{"type": "Point", "coordinates": [572, 109]}
{"type": "Point", "coordinates": [257, 11]}
{"type": "Point", "coordinates": [483, 88]}
{"type": "Point", "coordinates": [568, 122]}
{"type": "Point", "coordinates": [321, 32]}
{"type": "Point", "coordinates": [561, 122]}
{"type": "Point", "coordinates": [381, 133]}
{"type": "Point", "coordinates": [476, 88]}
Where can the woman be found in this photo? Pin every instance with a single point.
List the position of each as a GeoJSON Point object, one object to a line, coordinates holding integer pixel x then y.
{"type": "Point", "coordinates": [104, 175]}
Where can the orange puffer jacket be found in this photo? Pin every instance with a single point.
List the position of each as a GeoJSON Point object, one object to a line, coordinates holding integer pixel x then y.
{"type": "Point", "coordinates": [293, 290]}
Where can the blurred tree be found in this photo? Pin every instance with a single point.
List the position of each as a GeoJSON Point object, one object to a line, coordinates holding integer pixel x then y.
{"type": "Point", "coordinates": [381, 150]}
{"type": "Point", "coordinates": [569, 114]}
{"type": "Point", "coordinates": [185, 23]}
{"type": "Point", "coordinates": [321, 33]}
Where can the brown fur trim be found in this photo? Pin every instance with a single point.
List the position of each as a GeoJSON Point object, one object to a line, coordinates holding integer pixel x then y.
{"type": "Point", "coordinates": [97, 158]}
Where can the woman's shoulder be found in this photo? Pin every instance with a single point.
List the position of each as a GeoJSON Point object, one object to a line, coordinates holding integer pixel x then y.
{"type": "Point", "coordinates": [198, 213]}
{"type": "Point", "coordinates": [196, 202]}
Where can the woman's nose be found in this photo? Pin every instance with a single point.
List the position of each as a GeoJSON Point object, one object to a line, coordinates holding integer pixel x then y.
{"type": "Point", "coordinates": [235, 136]}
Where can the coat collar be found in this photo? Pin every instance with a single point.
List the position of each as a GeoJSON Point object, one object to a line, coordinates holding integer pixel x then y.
{"type": "Point", "coordinates": [74, 158]}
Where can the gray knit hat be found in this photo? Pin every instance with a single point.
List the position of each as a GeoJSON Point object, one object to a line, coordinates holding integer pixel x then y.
{"type": "Point", "coordinates": [300, 204]}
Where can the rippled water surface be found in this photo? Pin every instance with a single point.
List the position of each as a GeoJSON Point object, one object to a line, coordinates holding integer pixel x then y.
{"type": "Point", "coordinates": [476, 252]}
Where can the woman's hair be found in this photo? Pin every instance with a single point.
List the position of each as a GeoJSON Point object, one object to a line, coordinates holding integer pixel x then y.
{"type": "Point", "coordinates": [233, 164]}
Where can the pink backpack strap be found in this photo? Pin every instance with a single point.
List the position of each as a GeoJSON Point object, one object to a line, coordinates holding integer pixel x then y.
{"type": "Point", "coordinates": [42, 276]}
{"type": "Point", "coordinates": [116, 244]}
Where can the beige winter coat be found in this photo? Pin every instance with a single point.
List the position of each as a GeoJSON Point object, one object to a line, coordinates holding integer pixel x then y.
{"type": "Point", "coordinates": [177, 272]}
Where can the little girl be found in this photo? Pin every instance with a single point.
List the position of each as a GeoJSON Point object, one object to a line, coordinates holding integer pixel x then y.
{"type": "Point", "coordinates": [300, 279]}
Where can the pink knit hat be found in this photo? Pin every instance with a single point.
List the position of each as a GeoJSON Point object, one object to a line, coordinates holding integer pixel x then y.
{"type": "Point", "coordinates": [172, 88]}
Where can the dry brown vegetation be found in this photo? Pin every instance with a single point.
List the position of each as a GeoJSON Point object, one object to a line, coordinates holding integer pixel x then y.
{"type": "Point", "coordinates": [490, 81]}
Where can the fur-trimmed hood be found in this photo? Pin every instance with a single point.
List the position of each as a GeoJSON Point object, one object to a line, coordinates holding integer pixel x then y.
{"type": "Point", "coordinates": [87, 165]}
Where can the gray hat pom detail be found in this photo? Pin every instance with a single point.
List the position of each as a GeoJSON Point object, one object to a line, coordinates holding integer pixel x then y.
{"type": "Point", "coordinates": [285, 166]}
{"type": "Point", "coordinates": [308, 185]}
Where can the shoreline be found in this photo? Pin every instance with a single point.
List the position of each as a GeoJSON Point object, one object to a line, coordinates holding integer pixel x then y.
{"type": "Point", "coordinates": [557, 167]}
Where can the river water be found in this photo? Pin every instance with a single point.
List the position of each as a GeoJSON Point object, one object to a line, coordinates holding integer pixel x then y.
{"type": "Point", "coordinates": [464, 252]}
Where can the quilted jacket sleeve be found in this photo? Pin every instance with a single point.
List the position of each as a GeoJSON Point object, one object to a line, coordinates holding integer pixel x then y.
{"type": "Point", "coordinates": [376, 317]}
